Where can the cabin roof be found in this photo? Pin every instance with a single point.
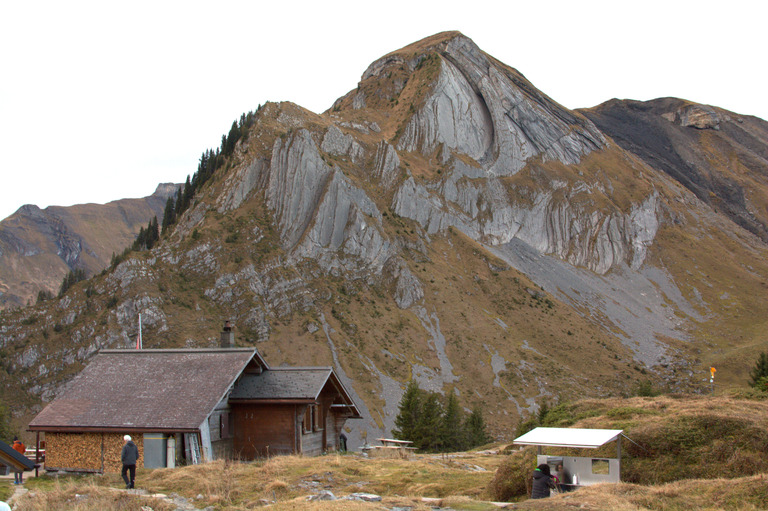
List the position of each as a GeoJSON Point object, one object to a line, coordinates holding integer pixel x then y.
{"type": "Point", "coordinates": [298, 384]}
{"type": "Point", "coordinates": [140, 389]}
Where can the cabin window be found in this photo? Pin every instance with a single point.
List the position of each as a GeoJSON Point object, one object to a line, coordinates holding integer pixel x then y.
{"type": "Point", "coordinates": [306, 423]}
{"type": "Point", "coordinates": [317, 418]}
{"type": "Point", "coordinates": [312, 420]}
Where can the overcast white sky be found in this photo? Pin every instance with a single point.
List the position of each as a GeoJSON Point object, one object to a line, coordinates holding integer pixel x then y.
{"type": "Point", "coordinates": [104, 100]}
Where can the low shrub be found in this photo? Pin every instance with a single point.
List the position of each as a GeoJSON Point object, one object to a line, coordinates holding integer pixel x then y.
{"type": "Point", "coordinates": [512, 480]}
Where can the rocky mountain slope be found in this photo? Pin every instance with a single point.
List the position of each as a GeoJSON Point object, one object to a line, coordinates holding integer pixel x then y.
{"type": "Point", "coordinates": [39, 246]}
{"type": "Point", "coordinates": [444, 221]}
{"type": "Point", "coordinates": [720, 156]}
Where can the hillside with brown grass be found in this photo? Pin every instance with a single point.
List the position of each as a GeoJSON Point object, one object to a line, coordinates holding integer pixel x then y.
{"type": "Point", "coordinates": [687, 453]}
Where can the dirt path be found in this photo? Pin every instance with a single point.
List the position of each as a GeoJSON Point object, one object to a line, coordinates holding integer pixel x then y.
{"type": "Point", "coordinates": [18, 491]}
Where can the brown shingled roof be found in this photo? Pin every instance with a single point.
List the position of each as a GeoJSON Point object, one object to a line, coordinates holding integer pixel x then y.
{"type": "Point", "coordinates": [146, 389]}
{"type": "Point", "coordinates": [283, 383]}
{"type": "Point", "coordinates": [303, 384]}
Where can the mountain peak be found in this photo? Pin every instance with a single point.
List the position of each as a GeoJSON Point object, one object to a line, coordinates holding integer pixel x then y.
{"type": "Point", "coordinates": [433, 42]}
{"type": "Point", "coordinates": [416, 53]}
{"type": "Point", "coordinates": [444, 91]}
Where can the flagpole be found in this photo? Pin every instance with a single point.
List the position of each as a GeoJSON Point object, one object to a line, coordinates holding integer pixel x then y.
{"type": "Point", "coordinates": [139, 344]}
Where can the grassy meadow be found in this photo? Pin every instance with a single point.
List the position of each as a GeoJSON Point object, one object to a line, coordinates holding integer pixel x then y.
{"type": "Point", "coordinates": [687, 452]}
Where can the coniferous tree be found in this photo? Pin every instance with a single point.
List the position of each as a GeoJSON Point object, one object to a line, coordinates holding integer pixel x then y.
{"type": "Point", "coordinates": [427, 437]}
{"type": "Point", "coordinates": [44, 295]}
{"type": "Point", "coordinates": [188, 193]}
{"type": "Point", "coordinates": [153, 233]}
{"type": "Point", "coordinates": [179, 202]}
{"type": "Point", "coordinates": [169, 215]}
{"type": "Point", "coordinates": [409, 411]}
{"type": "Point", "coordinates": [760, 370]}
{"type": "Point", "coordinates": [542, 413]}
{"type": "Point", "coordinates": [232, 138]}
{"type": "Point", "coordinates": [70, 279]}
{"type": "Point", "coordinates": [474, 428]}
{"type": "Point", "coordinates": [451, 428]}
{"type": "Point", "coordinates": [141, 240]}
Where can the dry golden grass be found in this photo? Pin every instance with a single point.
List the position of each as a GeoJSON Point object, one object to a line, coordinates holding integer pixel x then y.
{"type": "Point", "coordinates": [83, 494]}
{"type": "Point", "coordinates": [742, 494]}
{"type": "Point", "coordinates": [6, 489]}
{"type": "Point", "coordinates": [289, 480]}
{"type": "Point", "coordinates": [690, 452]}
{"type": "Point", "coordinates": [286, 478]}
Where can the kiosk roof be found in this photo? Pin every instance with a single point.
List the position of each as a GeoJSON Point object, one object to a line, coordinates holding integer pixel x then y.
{"type": "Point", "coordinates": [569, 437]}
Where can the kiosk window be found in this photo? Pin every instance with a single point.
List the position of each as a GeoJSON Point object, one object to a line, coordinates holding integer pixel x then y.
{"type": "Point", "coordinates": [601, 467]}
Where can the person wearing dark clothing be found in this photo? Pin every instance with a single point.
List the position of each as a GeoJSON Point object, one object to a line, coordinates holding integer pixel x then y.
{"type": "Point", "coordinates": [129, 456]}
{"type": "Point", "coordinates": [18, 475]}
{"type": "Point", "coordinates": [343, 442]}
{"type": "Point", "coordinates": [542, 482]}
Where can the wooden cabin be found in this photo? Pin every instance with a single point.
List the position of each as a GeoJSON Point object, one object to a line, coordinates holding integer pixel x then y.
{"type": "Point", "coordinates": [189, 406]}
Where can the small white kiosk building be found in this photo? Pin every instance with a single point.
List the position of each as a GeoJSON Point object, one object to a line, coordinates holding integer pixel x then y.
{"type": "Point", "coordinates": [581, 471]}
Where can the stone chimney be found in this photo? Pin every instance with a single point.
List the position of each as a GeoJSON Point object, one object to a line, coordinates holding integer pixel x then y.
{"type": "Point", "coordinates": [227, 336]}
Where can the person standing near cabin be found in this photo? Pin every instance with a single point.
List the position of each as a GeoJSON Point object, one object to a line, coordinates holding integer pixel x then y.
{"type": "Point", "coordinates": [343, 442]}
{"type": "Point", "coordinates": [129, 456]}
{"type": "Point", "coordinates": [542, 482]}
{"type": "Point", "coordinates": [18, 475]}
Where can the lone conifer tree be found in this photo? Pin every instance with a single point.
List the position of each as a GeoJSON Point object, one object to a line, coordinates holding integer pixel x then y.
{"type": "Point", "coordinates": [427, 436]}
{"type": "Point", "coordinates": [451, 427]}
{"type": "Point", "coordinates": [474, 428]}
{"type": "Point", "coordinates": [409, 412]}
{"type": "Point", "coordinates": [169, 215]}
{"type": "Point", "coordinates": [760, 370]}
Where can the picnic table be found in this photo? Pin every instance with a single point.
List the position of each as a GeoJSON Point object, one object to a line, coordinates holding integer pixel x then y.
{"type": "Point", "coordinates": [391, 447]}
{"type": "Point", "coordinates": [391, 442]}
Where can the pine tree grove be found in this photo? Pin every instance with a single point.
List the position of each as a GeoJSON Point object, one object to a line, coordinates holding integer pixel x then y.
{"type": "Point", "coordinates": [437, 424]}
{"type": "Point", "coordinates": [70, 279]}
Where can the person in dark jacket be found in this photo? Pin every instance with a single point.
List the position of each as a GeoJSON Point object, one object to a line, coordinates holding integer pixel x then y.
{"type": "Point", "coordinates": [129, 456]}
{"type": "Point", "coordinates": [542, 482]}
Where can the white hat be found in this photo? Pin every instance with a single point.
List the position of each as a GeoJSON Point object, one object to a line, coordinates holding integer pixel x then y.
{"type": "Point", "coordinates": [127, 438]}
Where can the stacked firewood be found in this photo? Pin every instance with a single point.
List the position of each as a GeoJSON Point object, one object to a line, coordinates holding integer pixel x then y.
{"type": "Point", "coordinates": [87, 452]}
{"type": "Point", "coordinates": [73, 451]}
